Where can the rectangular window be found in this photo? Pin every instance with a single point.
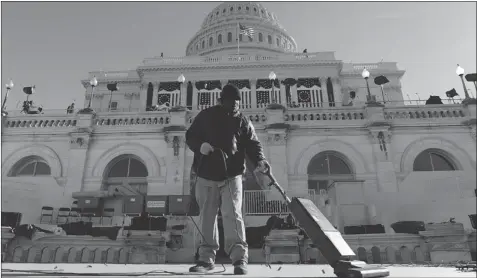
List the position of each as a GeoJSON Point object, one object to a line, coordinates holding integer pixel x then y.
{"type": "Point", "coordinates": [114, 105]}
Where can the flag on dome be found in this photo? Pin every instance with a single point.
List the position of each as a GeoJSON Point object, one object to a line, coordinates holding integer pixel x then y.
{"type": "Point", "coordinates": [163, 99]}
{"type": "Point", "coordinates": [245, 30]}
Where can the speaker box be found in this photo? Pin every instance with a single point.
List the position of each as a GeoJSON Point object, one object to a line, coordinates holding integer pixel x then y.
{"type": "Point", "coordinates": [133, 204]}
{"type": "Point", "coordinates": [88, 202]}
{"type": "Point", "coordinates": [179, 204]}
{"type": "Point", "coordinates": [156, 205]}
{"type": "Point", "coordinates": [11, 219]}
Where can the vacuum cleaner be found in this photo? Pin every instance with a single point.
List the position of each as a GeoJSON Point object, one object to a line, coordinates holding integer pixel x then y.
{"type": "Point", "coordinates": [327, 239]}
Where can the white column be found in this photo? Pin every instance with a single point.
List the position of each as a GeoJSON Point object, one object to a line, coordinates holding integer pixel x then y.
{"type": "Point", "coordinates": [324, 92]}
{"type": "Point", "coordinates": [194, 96]}
{"type": "Point", "coordinates": [386, 175]}
{"type": "Point", "coordinates": [155, 87]}
{"type": "Point", "coordinates": [277, 156]}
{"type": "Point", "coordinates": [283, 95]}
{"type": "Point", "coordinates": [253, 86]}
{"type": "Point", "coordinates": [142, 96]}
{"type": "Point", "coordinates": [337, 91]}
{"type": "Point", "coordinates": [183, 97]}
{"type": "Point", "coordinates": [294, 95]}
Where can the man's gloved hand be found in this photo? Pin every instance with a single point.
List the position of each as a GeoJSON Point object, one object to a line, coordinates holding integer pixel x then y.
{"type": "Point", "coordinates": [263, 166]}
{"type": "Point", "coordinates": [206, 148]}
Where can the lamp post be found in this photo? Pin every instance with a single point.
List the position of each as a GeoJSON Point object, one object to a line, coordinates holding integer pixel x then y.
{"type": "Point", "coordinates": [468, 100]}
{"type": "Point", "coordinates": [181, 80]}
{"type": "Point", "coordinates": [371, 102]}
{"type": "Point", "coordinates": [93, 82]}
{"type": "Point", "coordinates": [460, 72]}
{"type": "Point", "coordinates": [365, 75]}
{"type": "Point", "coordinates": [272, 76]}
{"type": "Point", "coordinates": [9, 86]}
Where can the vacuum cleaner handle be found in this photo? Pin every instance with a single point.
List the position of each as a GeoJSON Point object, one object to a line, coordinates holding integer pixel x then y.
{"type": "Point", "coordinates": [273, 182]}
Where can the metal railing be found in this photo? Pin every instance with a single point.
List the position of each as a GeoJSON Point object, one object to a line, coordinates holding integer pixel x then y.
{"type": "Point", "coordinates": [269, 202]}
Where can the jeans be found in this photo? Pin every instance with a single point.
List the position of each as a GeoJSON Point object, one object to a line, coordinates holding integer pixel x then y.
{"type": "Point", "coordinates": [228, 195]}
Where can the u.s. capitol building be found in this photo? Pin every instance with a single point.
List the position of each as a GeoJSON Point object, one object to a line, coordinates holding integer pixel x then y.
{"type": "Point", "coordinates": [364, 160]}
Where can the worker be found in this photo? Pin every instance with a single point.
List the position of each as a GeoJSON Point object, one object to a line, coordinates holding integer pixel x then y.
{"type": "Point", "coordinates": [220, 137]}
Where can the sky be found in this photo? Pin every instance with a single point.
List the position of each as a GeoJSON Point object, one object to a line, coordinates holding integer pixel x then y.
{"type": "Point", "coordinates": [53, 45]}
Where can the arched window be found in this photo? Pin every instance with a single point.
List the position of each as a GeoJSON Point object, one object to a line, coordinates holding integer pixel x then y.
{"type": "Point", "coordinates": [31, 166]}
{"type": "Point", "coordinates": [269, 39]}
{"type": "Point", "coordinates": [278, 42]}
{"type": "Point", "coordinates": [203, 44]}
{"type": "Point", "coordinates": [128, 167]}
{"type": "Point", "coordinates": [229, 37]}
{"type": "Point", "coordinates": [219, 38]}
{"type": "Point", "coordinates": [260, 37]}
{"type": "Point", "coordinates": [125, 175]}
{"type": "Point", "coordinates": [211, 41]}
{"type": "Point", "coordinates": [433, 160]}
{"type": "Point", "coordinates": [250, 39]}
{"type": "Point", "coordinates": [327, 167]}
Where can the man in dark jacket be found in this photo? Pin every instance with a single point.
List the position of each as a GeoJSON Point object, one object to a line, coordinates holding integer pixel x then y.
{"type": "Point", "coordinates": [220, 137]}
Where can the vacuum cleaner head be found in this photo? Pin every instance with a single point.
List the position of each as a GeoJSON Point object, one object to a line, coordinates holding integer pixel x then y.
{"type": "Point", "coordinates": [330, 242]}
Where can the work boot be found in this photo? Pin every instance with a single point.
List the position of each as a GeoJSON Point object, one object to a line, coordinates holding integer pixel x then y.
{"type": "Point", "coordinates": [240, 267]}
{"type": "Point", "coordinates": [202, 267]}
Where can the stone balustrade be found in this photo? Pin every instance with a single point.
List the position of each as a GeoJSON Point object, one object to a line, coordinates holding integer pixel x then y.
{"type": "Point", "coordinates": [129, 119]}
{"type": "Point", "coordinates": [319, 117]}
{"type": "Point", "coordinates": [377, 249]}
{"type": "Point", "coordinates": [86, 249]}
{"type": "Point", "coordinates": [371, 248]}
{"type": "Point", "coordinates": [257, 117]}
{"type": "Point", "coordinates": [201, 60]}
{"type": "Point", "coordinates": [37, 121]}
{"type": "Point", "coordinates": [455, 114]}
{"type": "Point", "coordinates": [425, 112]}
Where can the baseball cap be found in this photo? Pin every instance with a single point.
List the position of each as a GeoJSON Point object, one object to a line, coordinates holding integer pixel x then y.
{"type": "Point", "coordinates": [230, 92]}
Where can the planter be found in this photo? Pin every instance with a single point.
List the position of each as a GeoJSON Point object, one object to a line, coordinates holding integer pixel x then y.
{"type": "Point", "coordinates": [448, 227]}
{"type": "Point", "coordinates": [408, 227]}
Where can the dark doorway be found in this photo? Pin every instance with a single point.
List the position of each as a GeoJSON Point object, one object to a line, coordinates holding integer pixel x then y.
{"type": "Point", "coordinates": [150, 93]}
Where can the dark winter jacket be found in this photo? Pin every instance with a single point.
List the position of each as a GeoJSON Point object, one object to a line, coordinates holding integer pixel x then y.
{"type": "Point", "coordinates": [233, 133]}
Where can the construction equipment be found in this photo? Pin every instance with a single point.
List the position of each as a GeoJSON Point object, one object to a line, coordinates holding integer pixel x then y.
{"type": "Point", "coordinates": [327, 239]}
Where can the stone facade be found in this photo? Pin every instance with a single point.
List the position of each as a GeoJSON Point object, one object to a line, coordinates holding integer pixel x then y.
{"type": "Point", "coordinates": [381, 161]}
{"type": "Point", "coordinates": [378, 146]}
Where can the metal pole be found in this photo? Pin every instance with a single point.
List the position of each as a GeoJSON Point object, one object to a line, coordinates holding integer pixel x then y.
{"type": "Point", "coordinates": [5, 99]}
{"type": "Point", "coordinates": [463, 84]}
{"type": "Point", "coordinates": [369, 92]}
{"type": "Point", "coordinates": [273, 92]}
{"type": "Point", "coordinates": [110, 99]}
{"type": "Point", "coordinates": [238, 39]}
{"type": "Point", "coordinates": [91, 98]}
{"type": "Point", "coordinates": [180, 94]}
{"type": "Point", "coordinates": [382, 93]}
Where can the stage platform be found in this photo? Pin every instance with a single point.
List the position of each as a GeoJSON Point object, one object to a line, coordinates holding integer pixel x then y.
{"type": "Point", "coordinates": [176, 270]}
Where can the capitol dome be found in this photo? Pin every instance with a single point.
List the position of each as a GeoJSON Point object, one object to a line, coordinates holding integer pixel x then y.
{"type": "Point", "coordinates": [218, 33]}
